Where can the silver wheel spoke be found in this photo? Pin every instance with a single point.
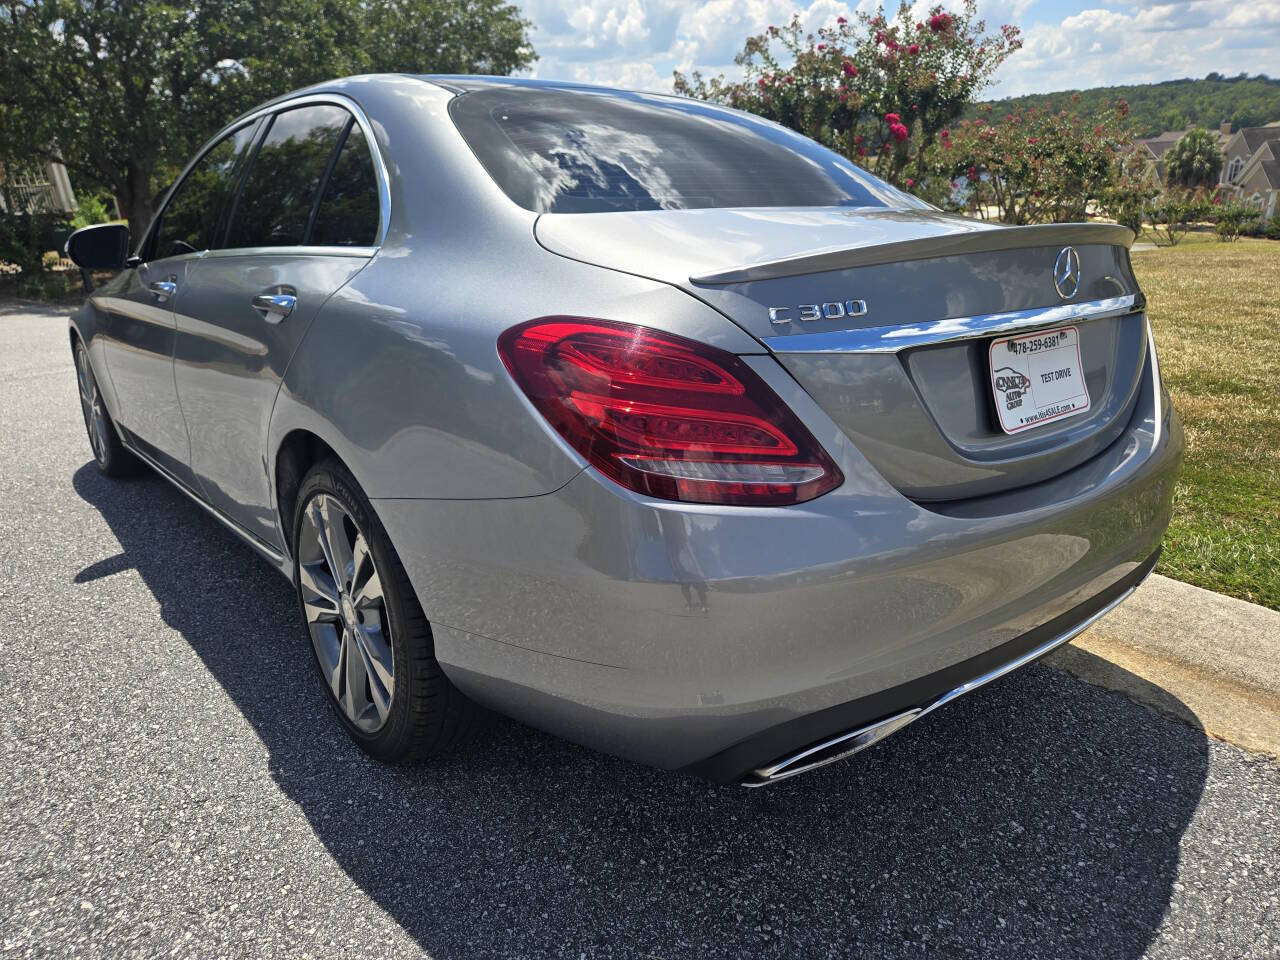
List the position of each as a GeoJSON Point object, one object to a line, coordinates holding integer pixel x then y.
{"type": "Point", "coordinates": [355, 699]}
{"type": "Point", "coordinates": [320, 594]}
{"type": "Point", "coordinates": [366, 585]}
{"type": "Point", "coordinates": [377, 667]}
{"type": "Point", "coordinates": [326, 639]}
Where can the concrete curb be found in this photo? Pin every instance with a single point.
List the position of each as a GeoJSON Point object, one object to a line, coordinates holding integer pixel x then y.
{"type": "Point", "coordinates": [1209, 660]}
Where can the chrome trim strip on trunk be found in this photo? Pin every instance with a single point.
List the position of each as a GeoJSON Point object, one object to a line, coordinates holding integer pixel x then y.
{"type": "Point", "coordinates": [975, 237]}
{"type": "Point", "coordinates": [901, 337]}
{"type": "Point", "coordinates": [851, 742]}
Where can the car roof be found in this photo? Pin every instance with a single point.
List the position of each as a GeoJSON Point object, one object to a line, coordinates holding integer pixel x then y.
{"type": "Point", "coordinates": [466, 82]}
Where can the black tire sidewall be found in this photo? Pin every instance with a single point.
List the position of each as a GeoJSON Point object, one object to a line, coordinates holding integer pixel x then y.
{"type": "Point", "coordinates": [391, 740]}
{"type": "Point", "coordinates": [111, 460]}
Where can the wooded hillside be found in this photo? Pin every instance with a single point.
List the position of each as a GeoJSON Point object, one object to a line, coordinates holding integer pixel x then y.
{"type": "Point", "coordinates": [1176, 104]}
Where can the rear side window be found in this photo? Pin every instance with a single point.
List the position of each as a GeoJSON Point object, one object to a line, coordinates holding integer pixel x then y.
{"type": "Point", "coordinates": [274, 208]}
{"type": "Point", "coordinates": [194, 217]}
{"type": "Point", "coordinates": [571, 151]}
{"type": "Point", "coordinates": [348, 212]}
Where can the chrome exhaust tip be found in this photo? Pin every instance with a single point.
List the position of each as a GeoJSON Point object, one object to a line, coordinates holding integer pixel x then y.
{"type": "Point", "coordinates": [850, 742]}
{"type": "Point", "coordinates": [829, 751]}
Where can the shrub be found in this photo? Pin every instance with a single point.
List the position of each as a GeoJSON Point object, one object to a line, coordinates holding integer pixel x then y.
{"type": "Point", "coordinates": [1175, 210]}
{"type": "Point", "coordinates": [1272, 229]}
{"type": "Point", "coordinates": [1234, 219]}
{"type": "Point", "coordinates": [1037, 165]}
{"type": "Point", "coordinates": [93, 209]}
{"type": "Point", "coordinates": [879, 91]}
{"type": "Point", "coordinates": [24, 238]}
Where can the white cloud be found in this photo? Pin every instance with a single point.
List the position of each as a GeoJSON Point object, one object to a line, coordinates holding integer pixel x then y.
{"type": "Point", "coordinates": [637, 43]}
{"type": "Point", "coordinates": [1140, 42]}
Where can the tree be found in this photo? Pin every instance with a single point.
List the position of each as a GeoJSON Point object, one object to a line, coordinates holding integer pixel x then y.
{"type": "Point", "coordinates": [1037, 165]}
{"type": "Point", "coordinates": [1176, 210]}
{"type": "Point", "coordinates": [123, 91]}
{"type": "Point", "coordinates": [1128, 200]}
{"type": "Point", "coordinates": [877, 91]}
{"type": "Point", "coordinates": [1194, 161]}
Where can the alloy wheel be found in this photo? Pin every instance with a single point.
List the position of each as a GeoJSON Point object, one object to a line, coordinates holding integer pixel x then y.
{"type": "Point", "coordinates": [95, 420]}
{"type": "Point", "coordinates": [346, 614]}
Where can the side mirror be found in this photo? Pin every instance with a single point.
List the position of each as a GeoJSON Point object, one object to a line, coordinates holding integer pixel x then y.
{"type": "Point", "coordinates": [104, 246]}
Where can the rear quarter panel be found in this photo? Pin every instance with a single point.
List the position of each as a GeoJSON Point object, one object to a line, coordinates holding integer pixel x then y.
{"type": "Point", "coordinates": [400, 372]}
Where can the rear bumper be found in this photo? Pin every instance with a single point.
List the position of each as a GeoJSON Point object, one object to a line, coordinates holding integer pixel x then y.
{"type": "Point", "coordinates": [718, 639]}
{"type": "Point", "coordinates": [818, 739]}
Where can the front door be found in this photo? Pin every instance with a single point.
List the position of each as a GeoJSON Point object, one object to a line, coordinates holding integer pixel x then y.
{"type": "Point", "coordinates": [140, 327]}
{"type": "Point", "coordinates": [305, 222]}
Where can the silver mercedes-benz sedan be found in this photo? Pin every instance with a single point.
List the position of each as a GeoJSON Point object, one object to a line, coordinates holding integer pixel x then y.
{"type": "Point", "coordinates": [645, 421]}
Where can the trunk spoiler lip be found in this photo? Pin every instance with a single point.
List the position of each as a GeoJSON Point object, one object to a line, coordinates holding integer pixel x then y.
{"type": "Point", "coordinates": [926, 248]}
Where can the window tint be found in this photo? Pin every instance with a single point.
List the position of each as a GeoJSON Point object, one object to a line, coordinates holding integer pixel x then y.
{"type": "Point", "coordinates": [278, 194]}
{"type": "Point", "coordinates": [566, 151]}
{"type": "Point", "coordinates": [195, 216]}
{"type": "Point", "coordinates": [348, 213]}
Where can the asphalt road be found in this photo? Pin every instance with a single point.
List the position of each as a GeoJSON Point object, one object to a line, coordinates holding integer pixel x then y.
{"type": "Point", "coordinates": [171, 783]}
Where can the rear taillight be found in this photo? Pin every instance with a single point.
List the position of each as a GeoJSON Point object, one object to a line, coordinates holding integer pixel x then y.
{"type": "Point", "coordinates": [666, 416]}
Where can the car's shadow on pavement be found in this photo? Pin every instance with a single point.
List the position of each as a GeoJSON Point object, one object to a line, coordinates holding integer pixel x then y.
{"type": "Point", "coordinates": [1038, 817]}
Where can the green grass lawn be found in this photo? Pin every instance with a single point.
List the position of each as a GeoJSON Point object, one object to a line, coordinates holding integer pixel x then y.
{"type": "Point", "coordinates": [1215, 309]}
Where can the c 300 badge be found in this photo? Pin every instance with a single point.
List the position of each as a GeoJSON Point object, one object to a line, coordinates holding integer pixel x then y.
{"type": "Point", "coordinates": [818, 311]}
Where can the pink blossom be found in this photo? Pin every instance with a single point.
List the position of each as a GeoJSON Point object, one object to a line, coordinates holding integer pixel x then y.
{"type": "Point", "coordinates": [892, 118]}
{"type": "Point", "coordinates": [914, 48]}
{"type": "Point", "coordinates": [945, 134]}
{"type": "Point", "coordinates": [841, 20]}
{"type": "Point", "coordinates": [822, 46]}
{"type": "Point", "coordinates": [849, 69]}
{"type": "Point", "coordinates": [899, 132]}
{"type": "Point", "coordinates": [939, 22]}
{"type": "Point", "coordinates": [862, 151]}
{"type": "Point", "coordinates": [910, 183]}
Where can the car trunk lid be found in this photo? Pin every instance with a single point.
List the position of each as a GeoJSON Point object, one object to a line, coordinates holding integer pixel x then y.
{"type": "Point", "coordinates": [887, 318]}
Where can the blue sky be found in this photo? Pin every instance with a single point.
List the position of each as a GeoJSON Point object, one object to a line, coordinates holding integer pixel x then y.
{"type": "Point", "coordinates": [637, 43]}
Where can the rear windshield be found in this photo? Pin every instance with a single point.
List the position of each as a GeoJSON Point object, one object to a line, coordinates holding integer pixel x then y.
{"type": "Point", "coordinates": [563, 151]}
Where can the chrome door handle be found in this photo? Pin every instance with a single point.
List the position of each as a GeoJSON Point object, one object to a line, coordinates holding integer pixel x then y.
{"type": "Point", "coordinates": [276, 306]}
{"type": "Point", "coordinates": [163, 289]}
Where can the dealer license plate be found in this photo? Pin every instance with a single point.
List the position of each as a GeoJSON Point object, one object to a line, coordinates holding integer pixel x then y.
{"type": "Point", "coordinates": [1038, 378]}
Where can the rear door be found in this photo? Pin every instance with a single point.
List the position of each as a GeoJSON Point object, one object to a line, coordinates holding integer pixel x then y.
{"type": "Point", "coordinates": [306, 220]}
{"type": "Point", "coordinates": [140, 325]}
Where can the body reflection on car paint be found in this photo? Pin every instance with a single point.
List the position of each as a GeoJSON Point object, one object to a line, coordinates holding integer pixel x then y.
{"type": "Point", "coordinates": [633, 500]}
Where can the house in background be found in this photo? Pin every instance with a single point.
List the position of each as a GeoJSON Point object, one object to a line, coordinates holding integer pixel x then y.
{"type": "Point", "coordinates": [1251, 167]}
{"type": "Point", "coordinates": [1153, 149]}
{"type": "Point", "coordinates": [38, 189]}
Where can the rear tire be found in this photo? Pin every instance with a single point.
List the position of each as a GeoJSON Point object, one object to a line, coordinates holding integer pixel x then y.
{"type": "Point", "coordinates": [109, 452]}
{"type": "Point", "coordinates": [372, 642]}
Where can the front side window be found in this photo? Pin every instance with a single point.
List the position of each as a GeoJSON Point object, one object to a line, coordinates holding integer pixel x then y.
{"type": "Point", "coordinates": [194, 217]}
{"type": "Point", "coordinates": [274, 208]}
{"type": "Point", "coordinates": [563, 151]}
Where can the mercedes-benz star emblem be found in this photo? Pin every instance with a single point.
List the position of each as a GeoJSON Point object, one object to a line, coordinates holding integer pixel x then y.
{"type": "Point", "coordinates": [1066, 273]}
